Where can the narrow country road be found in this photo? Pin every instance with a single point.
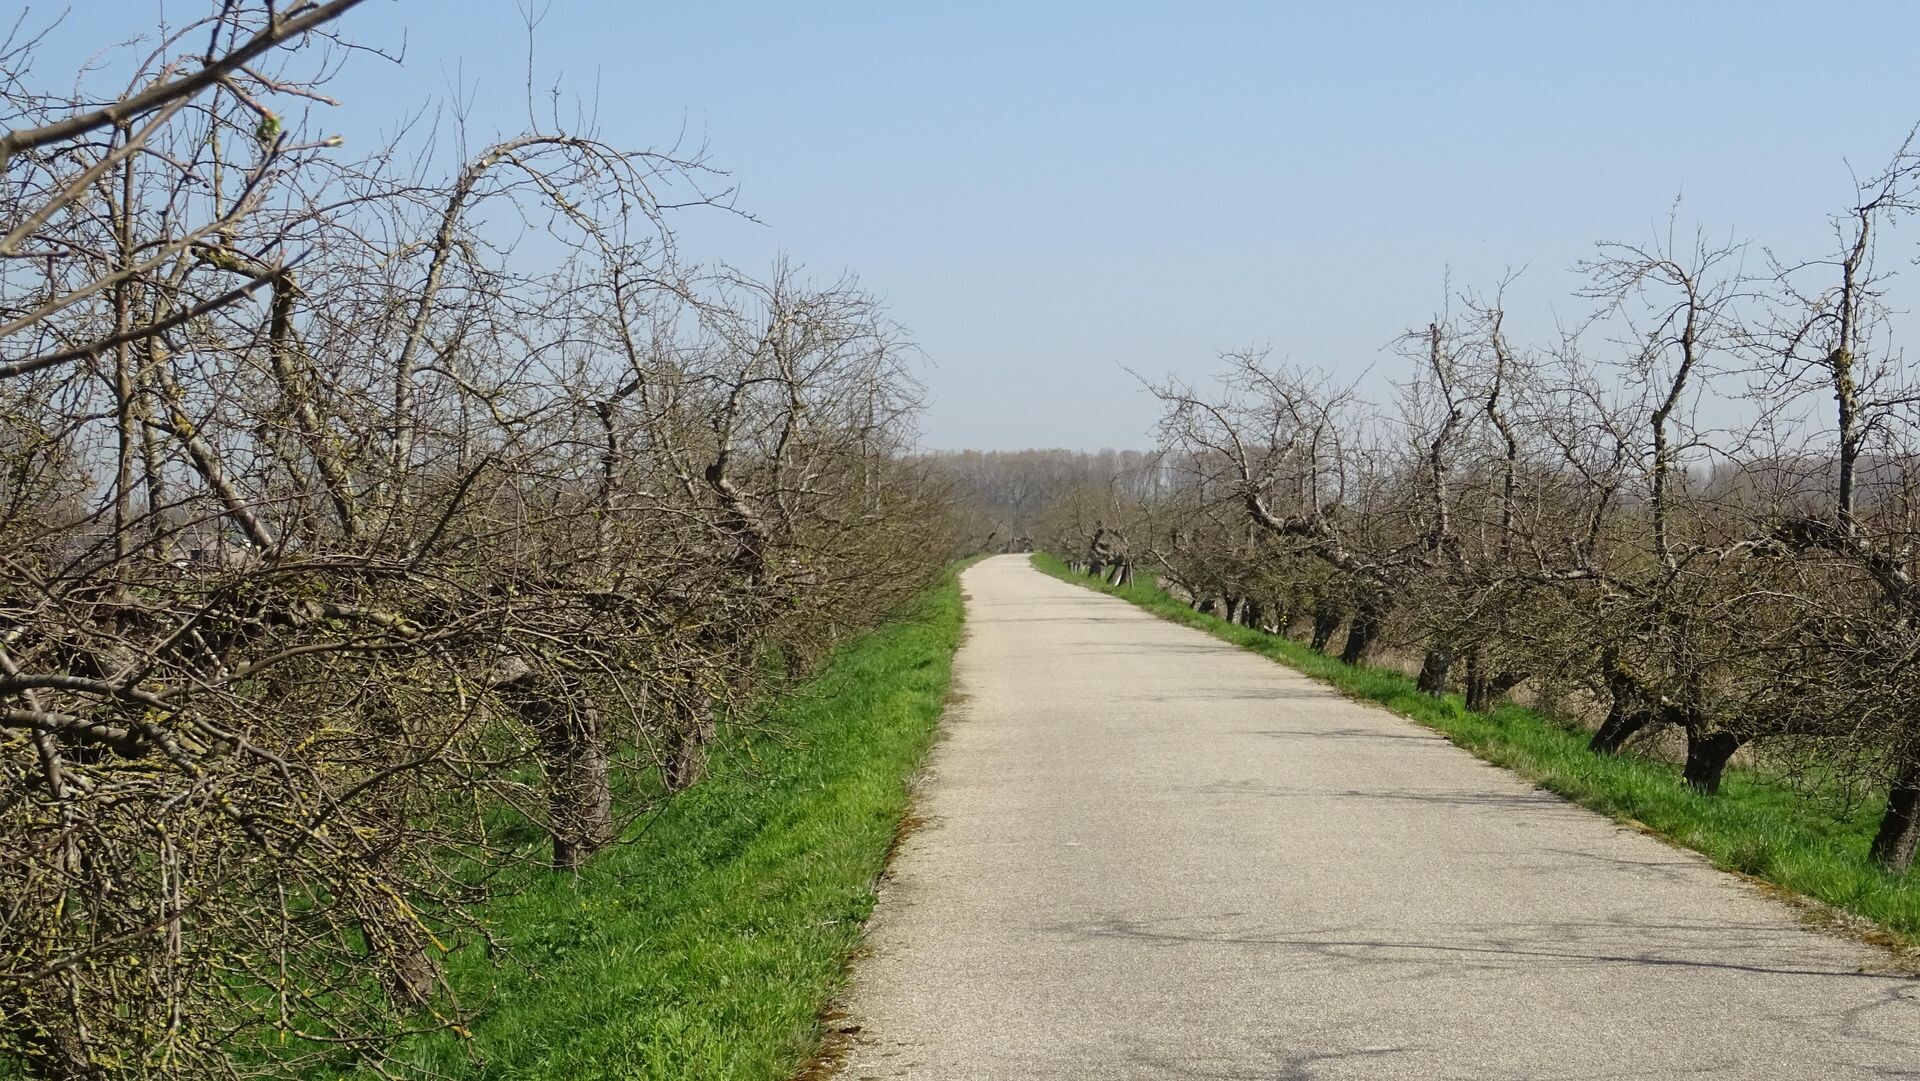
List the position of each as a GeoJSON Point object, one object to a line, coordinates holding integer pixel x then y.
{"type": "Point", "coordinates": [1147, 854]}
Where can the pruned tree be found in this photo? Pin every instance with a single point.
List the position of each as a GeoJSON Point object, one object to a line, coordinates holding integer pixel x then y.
{"type": "Point", "coordinates": [353, 512]}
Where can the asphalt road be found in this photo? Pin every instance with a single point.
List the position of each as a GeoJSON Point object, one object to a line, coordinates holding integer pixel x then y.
{"type": "Point", "coordinates": [1147, 854]}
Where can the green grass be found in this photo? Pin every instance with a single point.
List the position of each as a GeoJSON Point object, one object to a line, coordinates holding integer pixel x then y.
{"type": "Point", "coordinates": [1758, 825]}
{"type": "Point", "coordinates": [707, 947]}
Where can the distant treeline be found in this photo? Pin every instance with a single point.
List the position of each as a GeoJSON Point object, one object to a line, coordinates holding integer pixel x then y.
{"type": "Point", "coordinates": [1010, 497]}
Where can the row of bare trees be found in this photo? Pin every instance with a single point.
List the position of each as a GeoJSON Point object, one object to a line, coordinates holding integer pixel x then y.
{"type": "Point", "coordinates": [358, 511]}
{"type": "Point", "coordinates": [1695, 512]}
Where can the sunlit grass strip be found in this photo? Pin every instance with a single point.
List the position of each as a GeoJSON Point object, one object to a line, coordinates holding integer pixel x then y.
{"type": "Point", "coordinates": [1756, 825]}
{"type": "Point", "coordinates": [707, 947]}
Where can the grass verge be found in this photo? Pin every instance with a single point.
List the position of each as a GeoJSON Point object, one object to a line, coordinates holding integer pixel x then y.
{"type": "Point", "coordinates": [1758, 825]}
{"type": "Point", "coordinates": [707, 947]}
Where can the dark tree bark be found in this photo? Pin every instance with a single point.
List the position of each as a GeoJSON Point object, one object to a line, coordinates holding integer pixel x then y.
{"type": "Point", "coordinates": [1622, 723]}
{"type": "Point", "coordinates": [1478, 698]}
{"type": "Point", "coordinates": [1503, 683]}
{"type": "Point", "coordinates": [1899, 833]}
{"type": "Point", "coordinates": [1253, 613]}
{"type": "Point", "coordinates": [1707, 756]}
{"type": "Point", "coordinates": [1435, 669]}
{"type": "Point", "coordinates": [1360, 636]}
{"type": "Point", "coordinates": [1326, 620]}
{"type": "Point", "coordinates": [1205, 607]}
{"type": "Point", "coordinates": [1625, 713]}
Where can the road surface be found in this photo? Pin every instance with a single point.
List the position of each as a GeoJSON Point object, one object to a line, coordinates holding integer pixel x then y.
{"type": "Point", "coordinates": [1148, 854]}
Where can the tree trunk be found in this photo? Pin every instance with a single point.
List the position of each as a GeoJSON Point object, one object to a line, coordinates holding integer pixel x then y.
{"type": "Point", "coordinates": [1707, 759]}
{"type": "Point", "coordinates": [1252, 612]}
{"type": "Point", "coordinates": [1360, 636]}
{"type": "Point", "coordinates": [1434, 670]}
{"type": "Point", "coordinates": [1621, 725]}
{"type": "Point", "coordinates": [687, 759]}
{"type": "Point", "coordinates": [1478, 698]}
{"type": "Point", "coordinates": [1326, 620]}
{"type": "Point", "coordinates": [573, 753]}
{"type": "Point", "coordinates": [1893, 845]}
{"type": "Point", "coordinates": [1233, 609]}
{"type": "Point", "coordinates": [1125, 577]}
{"type": "Point", "coordinates": [582, 795]}
{"type": "Point", "coordinates": [1096, 569]}
{"type": "Point", "coordinates": [794, 660]}
{"type": "Point", "coordinates": [407, 970]}
{"type": "Point", "coordinates": [1205, 607]}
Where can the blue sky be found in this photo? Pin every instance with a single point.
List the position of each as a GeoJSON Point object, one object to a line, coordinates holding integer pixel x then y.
{"type": "Point", "coordinates": [1046, 194]}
